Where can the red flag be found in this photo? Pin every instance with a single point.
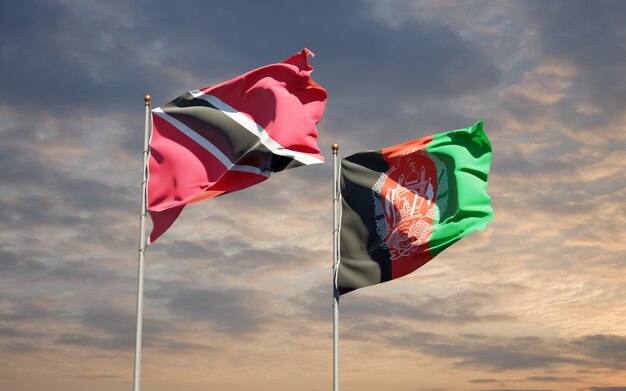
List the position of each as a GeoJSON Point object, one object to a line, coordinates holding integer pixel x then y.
{"type": "Point", "coordinates": [230, 136]}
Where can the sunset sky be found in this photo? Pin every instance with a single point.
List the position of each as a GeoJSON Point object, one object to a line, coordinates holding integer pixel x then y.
{"type": "Point", "coordinates": [238, 292]}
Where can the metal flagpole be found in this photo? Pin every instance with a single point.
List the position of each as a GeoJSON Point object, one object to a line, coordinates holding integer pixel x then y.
{"type": "Point", "coordinates": [142, 248]}
{"type": "Point", "coordinates": [336, 205]}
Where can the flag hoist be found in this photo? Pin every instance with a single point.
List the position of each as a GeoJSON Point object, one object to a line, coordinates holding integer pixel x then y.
{"type": "Point", "coordinates": [403, 205]}
{"type": "Point", "coordinates": [336, 211]}
{"type": "Point", "coordinates": [224, 138]}
{"type": "Point", "coordinates": [142, 246]}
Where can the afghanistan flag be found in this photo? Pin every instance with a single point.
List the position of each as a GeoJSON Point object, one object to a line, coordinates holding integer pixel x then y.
{"type": "Point", "coordinates": [405, 204]}
{"type": "Point", "coordinates": [230, 136]}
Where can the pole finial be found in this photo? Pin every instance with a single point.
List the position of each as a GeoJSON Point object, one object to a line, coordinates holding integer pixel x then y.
{"type": "Point", "coordinates": [147, 99]}
{"type": "Point", "coordinates": [335, 148]}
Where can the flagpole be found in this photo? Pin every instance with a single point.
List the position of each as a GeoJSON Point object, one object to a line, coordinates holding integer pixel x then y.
{"type": "Point", "coordinates": [142, 247]}
{"type": "Point", "coordinates": [336, 195]}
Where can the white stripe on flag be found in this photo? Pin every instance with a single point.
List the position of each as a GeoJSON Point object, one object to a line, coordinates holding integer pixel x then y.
{"type": "Point", "coordinates": [208, 146]}
{"type": "Point", "coordinates": [255, 129]}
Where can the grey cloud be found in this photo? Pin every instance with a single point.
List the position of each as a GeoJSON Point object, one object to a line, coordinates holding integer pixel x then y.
{"type": "Point", "coordinates": [242, 257]}
{"type": "Point", "coordinates": [112, 329]}
{"type": "Point", "coordinates": [552, 379]}
{"type": "Point", "coordinates": [85, 273]}
{"type": "Point", "coordinates": [68, 58]}
{"type": "Point", "coordinates": [18, 347]}
{"type": "Point", "coordinates": [35, 211]}
{"type": "Point", "coordinates": [524, 110]}
{"type": "Point", "coordinates": [90, 194]}
{"type": "Point", "coordinates": [9, 332]}
{"type": "Point", "coordinates": [24, 169]}
{"type": "Point", "coordinates": [518, 353]}
{"type": "Point", "coordinates": [185, 249]}
{"type": "Point", "coordinates": [27, 309]}
{"type": "Point", "coordinates": [160, 342]}
{"type": "Point", "coordinates": [517, 389]}
{"type": "Point", "coordinates": [112, 322]}
{"type": "Point", "coordinates": [483, 381]}
{"type": "Point", "coordinates": [83, 340]}
{"type": "Point", "coordinates": [592, 39]}
{"type": "Point", "coordinates": [605, 350]}
{"type": "Point", "coordinates": [90, 58]}
{"type": "Point", "coordinates": [459, 308]}
{"type": "Point", "coordinates": [568, 34]}
{"type": "Point", "coordinates": [44, 199]}
{"type": "Point", "coordinates": [232, 312]}
{"type": "Point", "coordinates": [117, 333]}
{"type": "Point", "coordinates": [35, 264]}
{"type": "Point", "coordinates": [362, 53]}
{"type": "Point", "coordinates": [105, 328]}
{"type": "Point", "coordinates": [514, 162]}
{"type": "Point", "coordinates": [20, 339]}
{"type": "Point", "coordinates": [165, 343]}
{"type": "Point", "coordinates": [26, 266]}
{"type": "Point", "coordinates": [12, 263]}
{"type": "Point", "coordinates": [513, 354]}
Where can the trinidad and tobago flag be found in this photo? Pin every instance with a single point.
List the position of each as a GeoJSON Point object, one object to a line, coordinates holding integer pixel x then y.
{"type": "Point", "coordinates": [230, 136]}
{"type": "Point", "coordinates": [405, 204]}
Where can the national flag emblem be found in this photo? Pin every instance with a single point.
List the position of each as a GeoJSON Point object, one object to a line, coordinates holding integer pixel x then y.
{"type": "Point", "coordinates": [405, 204]}
{"type": "Point", "coordinates": [227, 137]}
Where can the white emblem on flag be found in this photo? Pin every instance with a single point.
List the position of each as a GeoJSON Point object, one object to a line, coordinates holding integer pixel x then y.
{"type": "Point", "coordinates": [409, 199]}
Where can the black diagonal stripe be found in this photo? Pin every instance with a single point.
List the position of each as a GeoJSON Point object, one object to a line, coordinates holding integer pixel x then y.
{"type": "Point", "coordinates": [364, 261]}
{"type": "Point", "coordinates": [265, 160]}
{"type": "Point", "coordinates": [235, 141]}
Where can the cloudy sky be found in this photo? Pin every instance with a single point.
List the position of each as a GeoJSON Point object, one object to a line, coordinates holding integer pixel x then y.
{"type": "Point", "coordinates": [238, 291]}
